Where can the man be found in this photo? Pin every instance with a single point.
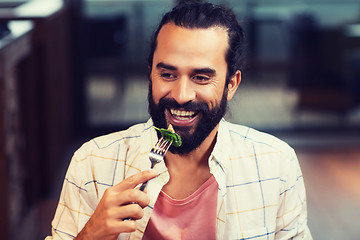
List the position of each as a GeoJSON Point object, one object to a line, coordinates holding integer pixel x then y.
{"type": "Point", "coordinates": [225, 182]}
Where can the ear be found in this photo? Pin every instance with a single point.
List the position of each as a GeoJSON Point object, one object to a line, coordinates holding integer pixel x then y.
{"type": "Point", "coordinates": [233, 84]}
{"type": "Point", "coordinates": [149, 70]}
{"type": "Point", "coordinates": [149, 74]}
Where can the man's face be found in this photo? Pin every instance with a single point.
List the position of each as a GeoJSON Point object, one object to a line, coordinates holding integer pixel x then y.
{"type": "Point", "coordinates": [187, 82]}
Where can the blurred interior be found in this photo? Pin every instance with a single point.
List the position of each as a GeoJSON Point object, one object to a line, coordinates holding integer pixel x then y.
{"type": "Point", "coordinates": [71, 70]}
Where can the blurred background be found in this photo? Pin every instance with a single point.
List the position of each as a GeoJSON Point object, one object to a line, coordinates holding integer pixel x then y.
{"type": "Point", "coordinates": [74, 69]}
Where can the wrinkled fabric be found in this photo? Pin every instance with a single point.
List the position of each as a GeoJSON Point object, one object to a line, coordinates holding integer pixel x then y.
{"type": "Point", "coordinates": [261, 192]}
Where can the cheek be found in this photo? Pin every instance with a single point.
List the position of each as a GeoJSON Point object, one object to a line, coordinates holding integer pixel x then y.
{"type": "Point", "coordinates": [212, 94]}
{"type": "Point", "coordinates": [158, 90]}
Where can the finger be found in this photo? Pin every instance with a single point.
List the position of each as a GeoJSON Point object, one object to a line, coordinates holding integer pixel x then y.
{"type": "Point", "coordinates": [133, 196]}
{"type": "Point", "coordinates": [134, 180]}
{"type": "Point", "coordinates": [130, 211]}
{"type": "Point", "coordinates": [119, 226]}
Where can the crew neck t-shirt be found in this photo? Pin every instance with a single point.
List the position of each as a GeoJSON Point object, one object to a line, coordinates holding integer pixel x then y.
{"type": "Point", "coordinates": [191, 218]}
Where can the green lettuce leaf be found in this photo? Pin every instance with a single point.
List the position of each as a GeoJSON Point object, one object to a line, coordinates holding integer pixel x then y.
{"type": "Point", "coordinates": [170, 136]}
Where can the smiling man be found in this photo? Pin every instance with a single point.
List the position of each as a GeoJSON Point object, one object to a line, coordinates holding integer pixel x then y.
{"type": "Point", "coordinates": [225, 181]}
{"type": "Point", "coordinates": [187, 82]}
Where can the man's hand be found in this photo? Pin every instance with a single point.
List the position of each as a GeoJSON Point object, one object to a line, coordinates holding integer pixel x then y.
{"type": "Point", "coordinates": [119, 202]}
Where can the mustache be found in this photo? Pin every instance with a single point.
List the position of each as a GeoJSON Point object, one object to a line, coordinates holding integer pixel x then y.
{"type": "Point", "coordinates": [188, 106]}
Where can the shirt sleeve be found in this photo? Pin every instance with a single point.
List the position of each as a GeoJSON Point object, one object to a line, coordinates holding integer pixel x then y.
{"type": "Point", "coordinates": [76, 203]}
{"type": "Point", "coordinates": [292, 213]}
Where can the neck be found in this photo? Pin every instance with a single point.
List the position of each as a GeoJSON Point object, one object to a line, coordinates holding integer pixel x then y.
{"type": "Point", "coordinates": [198, 157]}
{"type": "Point", "coordinates": [188, 172]}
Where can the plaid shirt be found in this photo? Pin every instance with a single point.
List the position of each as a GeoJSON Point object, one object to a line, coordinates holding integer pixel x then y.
{"type": "Point", "coordinates": [261, 190]}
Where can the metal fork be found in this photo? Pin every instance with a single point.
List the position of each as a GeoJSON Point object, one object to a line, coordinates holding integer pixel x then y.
{"type": "Point", "coordinates": [157, 154]}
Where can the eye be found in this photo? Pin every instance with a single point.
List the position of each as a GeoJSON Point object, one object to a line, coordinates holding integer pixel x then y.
{"type": "Point", "coordinates": [201, 78]}
{"type": "Point", "coordinates": [167, 76]}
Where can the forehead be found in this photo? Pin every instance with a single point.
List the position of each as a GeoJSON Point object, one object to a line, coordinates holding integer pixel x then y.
{"type": "Point", "coordinates": [191, 44]}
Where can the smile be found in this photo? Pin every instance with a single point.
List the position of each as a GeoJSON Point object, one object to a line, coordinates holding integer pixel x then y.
{"type": "Point", "coordinates": [181, 114]}
{"type": "Point", "coordinates": [182, 117]}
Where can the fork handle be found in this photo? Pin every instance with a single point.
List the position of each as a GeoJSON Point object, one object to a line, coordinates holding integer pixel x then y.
{"type": "Point", "coordinates": [143, 186]}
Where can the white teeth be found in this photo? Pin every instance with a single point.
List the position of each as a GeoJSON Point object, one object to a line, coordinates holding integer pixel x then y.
{"type": "Point", "coordinates": [182, 113]}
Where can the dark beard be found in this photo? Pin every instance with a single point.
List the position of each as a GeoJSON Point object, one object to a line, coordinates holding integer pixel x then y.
{"type": "Point", "coordinates": [190, 141]}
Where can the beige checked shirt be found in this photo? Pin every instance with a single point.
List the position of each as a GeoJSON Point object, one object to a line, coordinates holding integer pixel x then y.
{"type": "Point", "coordinates": [261, 190]}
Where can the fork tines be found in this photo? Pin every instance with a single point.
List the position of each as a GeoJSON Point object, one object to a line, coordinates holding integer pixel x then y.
{"type": "Point", "coordinates": [161, 146]}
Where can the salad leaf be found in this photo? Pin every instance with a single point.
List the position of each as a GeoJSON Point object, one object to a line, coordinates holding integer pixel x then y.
{"type": "Point", "coordinates": [170, 136]}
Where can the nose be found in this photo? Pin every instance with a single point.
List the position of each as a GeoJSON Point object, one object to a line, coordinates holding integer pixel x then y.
{"type": "Point", "coordinates": [183, 91]}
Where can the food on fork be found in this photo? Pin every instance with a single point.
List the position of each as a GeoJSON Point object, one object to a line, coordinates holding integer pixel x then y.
{"type": "Point", "coordinates": [170, 135]}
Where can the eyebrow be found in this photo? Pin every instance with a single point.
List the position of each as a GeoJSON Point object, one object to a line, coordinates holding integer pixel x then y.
{"type": "Point", "coordinates": [209, 71]}
{"type": "Point", "coordinates": [166, 66]}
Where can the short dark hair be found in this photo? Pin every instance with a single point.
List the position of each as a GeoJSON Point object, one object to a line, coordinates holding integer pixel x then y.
{"type": "Point", "coordinates": [205, 15]}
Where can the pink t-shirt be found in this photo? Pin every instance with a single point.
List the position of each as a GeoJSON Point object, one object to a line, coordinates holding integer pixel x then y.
{"type": "Point", "coordinates": [191, 218]}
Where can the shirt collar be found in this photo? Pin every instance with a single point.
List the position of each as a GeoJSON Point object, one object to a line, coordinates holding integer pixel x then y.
{"type": "Point", "coordinates": [219, 158]}
{"type": "Point", "coordinates": [221, 151]}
